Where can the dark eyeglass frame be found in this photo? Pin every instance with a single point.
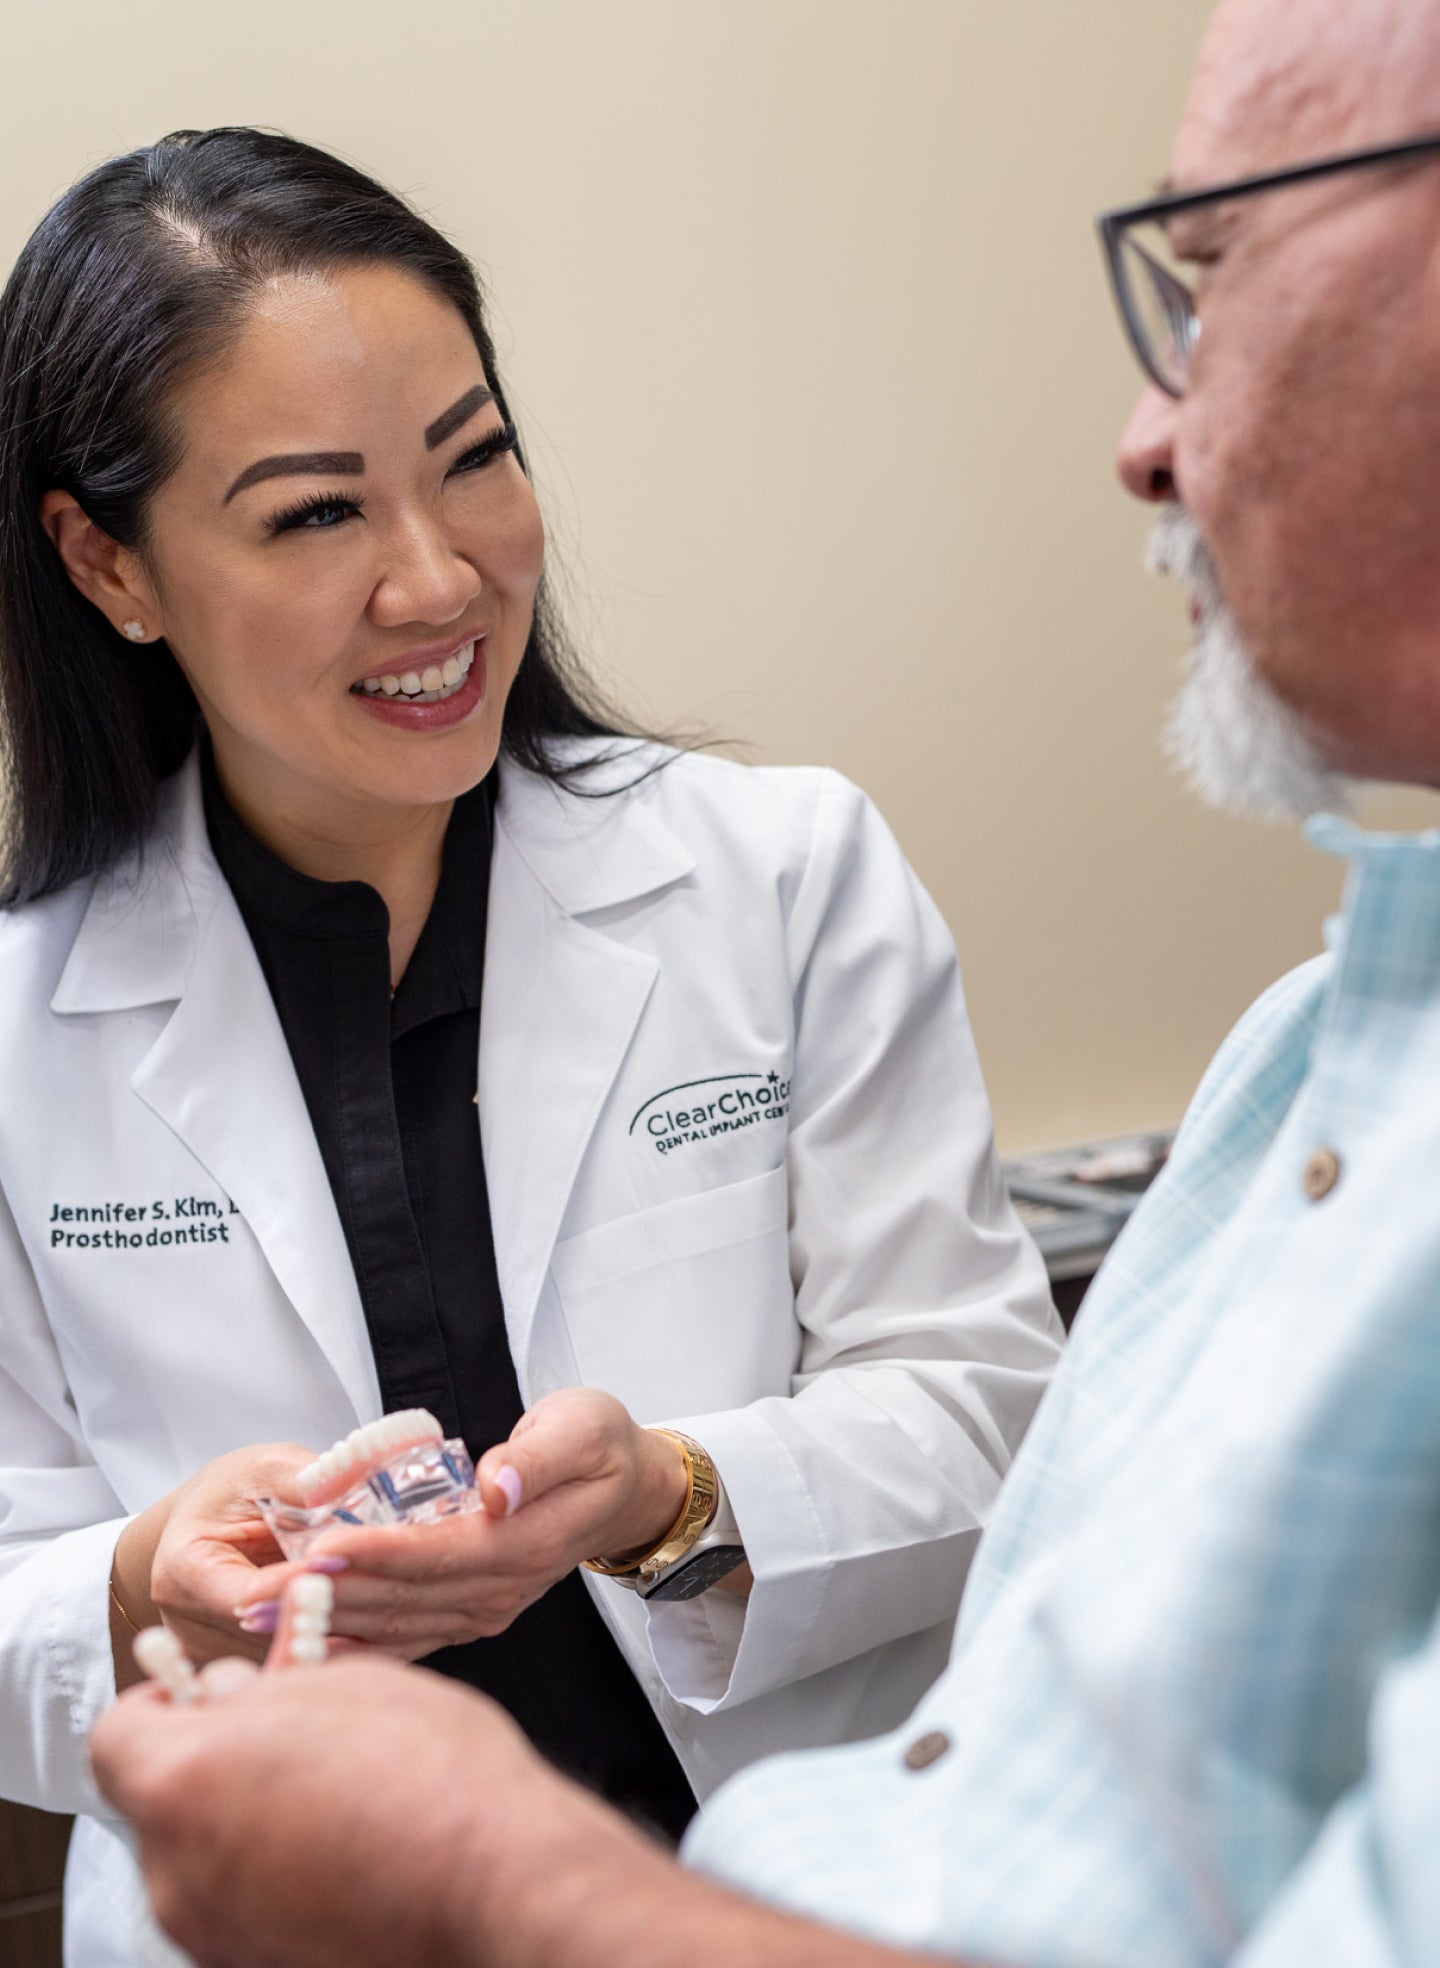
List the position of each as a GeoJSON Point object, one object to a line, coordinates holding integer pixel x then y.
{"type": "Point", "coordinates": [1116, 224]}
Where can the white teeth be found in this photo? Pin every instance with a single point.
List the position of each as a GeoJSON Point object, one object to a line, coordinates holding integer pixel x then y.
{"type": "Point", "coordinates": [312, 1601]}
{"type": "Point", "coordinates": [426, 687]}
{"type": "Point", "coordinates": [313, 1597]}
{"type": "Point", "coordinates": [362, 1445]}
{"type": "Point", "coordinates": [160, 1655]}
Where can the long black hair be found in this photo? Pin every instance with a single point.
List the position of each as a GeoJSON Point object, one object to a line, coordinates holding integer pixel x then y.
{"type": "Point", "coordinates": [140, 272]}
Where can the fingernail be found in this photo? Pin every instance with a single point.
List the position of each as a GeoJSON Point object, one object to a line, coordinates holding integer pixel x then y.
{"type": "Point", "coordinates": [508, 1480]}
{"type": "Point", "coordinates": [331, 1565]}
{"type": "Point", "coordinates": [261, 1618]}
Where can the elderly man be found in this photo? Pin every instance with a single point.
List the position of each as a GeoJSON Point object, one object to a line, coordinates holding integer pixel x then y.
{"type": "Point", "coordinates": [1193, 1711]}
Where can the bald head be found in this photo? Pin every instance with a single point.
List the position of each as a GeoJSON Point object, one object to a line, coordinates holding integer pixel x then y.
{"type": "Point", "coordinates": [1279, 81]}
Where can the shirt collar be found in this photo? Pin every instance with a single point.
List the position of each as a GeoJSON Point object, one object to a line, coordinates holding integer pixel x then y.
{"type": "Point", "coordinates": [447, 966]}
{"type": "Point", "coordinates": [141, 921]}
{"type": "Point", "coordinates": [1386, 937]}
{"type": "Point", "coordinates": [603, 843]}
{"type": "Point", "coordinates": [265, 886]}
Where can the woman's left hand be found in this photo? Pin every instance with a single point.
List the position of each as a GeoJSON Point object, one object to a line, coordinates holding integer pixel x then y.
{"type": "Point", "coordinates": [577, 1479]}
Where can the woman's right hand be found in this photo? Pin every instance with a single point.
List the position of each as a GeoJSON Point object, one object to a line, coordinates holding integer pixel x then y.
{"type": "Point", "coordinates": [192, 1558]}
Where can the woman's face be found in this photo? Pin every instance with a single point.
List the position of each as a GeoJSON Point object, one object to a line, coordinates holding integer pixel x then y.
{"type": "Point", "coordinates": [345, 561]}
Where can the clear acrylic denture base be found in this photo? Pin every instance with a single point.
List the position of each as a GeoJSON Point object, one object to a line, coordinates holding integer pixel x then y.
{"type": "Point", "coordinates": [418, 1485]}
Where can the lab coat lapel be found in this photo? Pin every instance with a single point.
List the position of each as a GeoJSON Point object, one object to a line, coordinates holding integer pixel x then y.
{"type": "Point", "coordinates": [560, 1008]}
{"type": "Point", "coordinates": [221, 1077]}
{"type": "Point", "coordinates": [166, 927]}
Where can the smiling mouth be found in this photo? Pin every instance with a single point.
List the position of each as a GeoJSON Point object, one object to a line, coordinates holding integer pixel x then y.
{"type": "Point", "coordinates": [428, 686]}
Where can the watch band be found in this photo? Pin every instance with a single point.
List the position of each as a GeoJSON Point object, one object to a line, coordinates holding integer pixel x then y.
{"type": "Point", "coordinates": [647, 1571]}
{"type": "Point", "coordinates": [710, 1559]}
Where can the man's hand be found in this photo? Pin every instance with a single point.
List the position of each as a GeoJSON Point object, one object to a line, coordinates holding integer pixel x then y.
{"type": "Point", "coordinates": [577, 1479]}
{"type": "Point", "coordinates": [333, 1815]}
{"type": "Point", "coordinates": [368, 1815]}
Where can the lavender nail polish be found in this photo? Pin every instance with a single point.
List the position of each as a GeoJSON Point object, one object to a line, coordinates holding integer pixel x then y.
{"type": "Point", "coordinates": [331, 1565]}
{"type": "Point", "coordinates": [508, 1480]}
{"type": "Point", "coordinates": [261, 1618]}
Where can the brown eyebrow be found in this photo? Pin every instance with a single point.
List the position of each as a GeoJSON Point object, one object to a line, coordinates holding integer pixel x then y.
{"type": "Point", "coordinates": [311, 464]}
{"type": "Point", "coordinates": [350, 464]}
{"type": "Point", "coordinates": [449, 421]}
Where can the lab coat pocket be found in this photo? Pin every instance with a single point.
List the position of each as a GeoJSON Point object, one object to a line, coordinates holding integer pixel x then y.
{"type": "Point", "coordinates": [687, 1307]}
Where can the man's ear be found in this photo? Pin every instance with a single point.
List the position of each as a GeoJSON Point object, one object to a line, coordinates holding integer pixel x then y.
{"type": "Point", "coordinates": [105, 573]}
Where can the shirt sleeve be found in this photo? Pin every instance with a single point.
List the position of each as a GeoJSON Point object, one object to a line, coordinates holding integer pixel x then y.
{"type": "Point", "coordinates": [1368, 1890]}
{"type": "Point", "coordinates": [926, 1326]}
{"type": "Point", "coordinates": [59, 1521]}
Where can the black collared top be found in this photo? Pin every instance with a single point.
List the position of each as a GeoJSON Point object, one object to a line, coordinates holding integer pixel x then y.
{"type": "Point", "coordinates": [390, 1084]}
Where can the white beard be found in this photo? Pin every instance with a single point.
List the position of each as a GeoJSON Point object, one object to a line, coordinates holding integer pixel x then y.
{"type": "Point", "coordinates": [1235, 742]}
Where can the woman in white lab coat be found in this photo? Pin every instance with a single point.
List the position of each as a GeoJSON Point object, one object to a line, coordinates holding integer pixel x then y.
{"type": "Point", "coordinates": [295, 756]}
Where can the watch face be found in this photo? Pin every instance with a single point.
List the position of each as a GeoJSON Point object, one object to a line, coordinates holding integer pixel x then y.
{"type": "Point", "coordinates": [695, 1575]}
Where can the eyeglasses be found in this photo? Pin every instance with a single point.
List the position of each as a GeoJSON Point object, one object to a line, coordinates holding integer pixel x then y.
{"type": "Point", "coordinates": [1155, 299]}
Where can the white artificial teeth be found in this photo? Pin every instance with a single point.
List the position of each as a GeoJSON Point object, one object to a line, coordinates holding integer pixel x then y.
{"type": "Point", "coordinates": [313, 1597]}
{"type": "Point", "coordinates": [160, 1656]}
{"type": "Point", "coordinates": [452, 671]}
{"type": "Point", "coordinates": [364, 1444]}
{"type": "Point", "coordinates": [433, 679]}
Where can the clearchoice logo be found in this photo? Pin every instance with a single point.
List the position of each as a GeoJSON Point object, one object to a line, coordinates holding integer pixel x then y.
{"type": "Point", "coordinates": [698, 1110]}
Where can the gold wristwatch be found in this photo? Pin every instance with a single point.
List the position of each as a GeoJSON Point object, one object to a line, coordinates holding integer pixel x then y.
{"type": "Point", "coordinates": [700, 1547]}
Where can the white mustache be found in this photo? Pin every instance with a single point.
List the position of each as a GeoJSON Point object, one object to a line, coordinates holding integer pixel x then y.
{"type": "Point", "coordinates": [1175, 547]}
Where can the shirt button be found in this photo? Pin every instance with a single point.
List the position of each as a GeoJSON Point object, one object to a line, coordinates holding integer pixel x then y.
{"type": "Point", "coordinates": [926, 1750]}
{"type": "Point", "coordinates": [1322, 1172]}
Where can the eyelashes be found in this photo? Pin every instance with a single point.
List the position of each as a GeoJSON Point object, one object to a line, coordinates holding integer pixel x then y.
{"type": "Point", "coordinates": [494, 444]}
{"type": "Point", "coordinates": [318, 511]}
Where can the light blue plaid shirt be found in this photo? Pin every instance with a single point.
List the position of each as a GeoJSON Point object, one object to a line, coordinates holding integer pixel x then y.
{"type": "Point", "coordinates": [1194, 1702]}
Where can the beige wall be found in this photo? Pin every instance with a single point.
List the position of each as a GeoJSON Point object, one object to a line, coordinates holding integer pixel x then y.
{"type": "Point", "coordinates": [802, 311]}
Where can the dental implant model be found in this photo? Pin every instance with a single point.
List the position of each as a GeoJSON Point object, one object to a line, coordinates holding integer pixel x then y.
{"type": "Point", "coordinates": [398, 1470]}
{"type": "Point", "coordinates": [312, 1601]}
{"type": "Point", "coordinates": [160, 1656]}
{"type": "Point", "coordinates": [302, 1640]}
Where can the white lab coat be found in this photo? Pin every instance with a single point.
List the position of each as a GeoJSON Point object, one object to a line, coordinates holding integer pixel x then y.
{"type": "Point", "coordinates": [741, 1175]}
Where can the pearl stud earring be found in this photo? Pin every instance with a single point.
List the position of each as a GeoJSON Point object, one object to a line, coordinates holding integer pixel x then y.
{"type": "Point", "coordinates": [135, 630]}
